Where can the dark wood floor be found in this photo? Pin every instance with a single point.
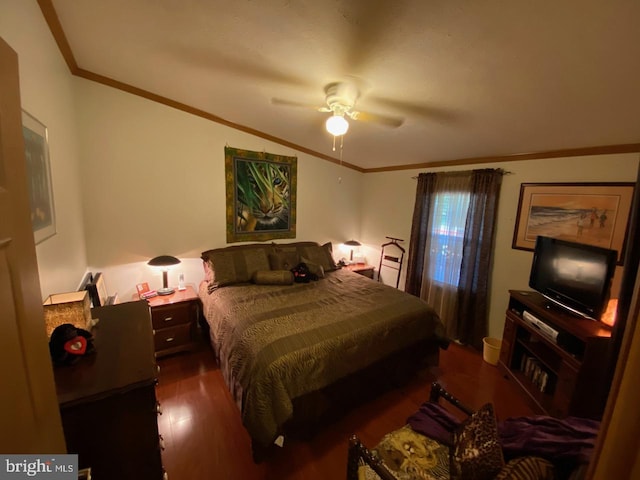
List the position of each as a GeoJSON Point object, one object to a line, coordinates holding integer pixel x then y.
{"type": "Point", "coordinates": [204, 437]}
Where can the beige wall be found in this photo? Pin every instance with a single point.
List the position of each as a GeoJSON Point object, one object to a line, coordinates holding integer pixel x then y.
{"type": "Point", "coordinates": [47, 92]}
{"type": "Point", "coordinates": [140, 179]}
{"type": "Point", "coordinates": [388, 200]}
{"type": "Point", "coordinates": [154, 184]}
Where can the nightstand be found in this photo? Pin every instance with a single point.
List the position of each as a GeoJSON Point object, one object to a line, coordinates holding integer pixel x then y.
{"type": "Point", "coordinates": [175, 321]}
{"type": "Point", "coordinates": [361, 268]}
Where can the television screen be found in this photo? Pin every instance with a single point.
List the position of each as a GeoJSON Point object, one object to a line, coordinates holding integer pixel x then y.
{"type": "Point", "coordinates": [574, 275]}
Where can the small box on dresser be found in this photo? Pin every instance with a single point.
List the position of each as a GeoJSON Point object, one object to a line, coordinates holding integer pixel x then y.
{"type": "Point", "coordinates": [108, 401]}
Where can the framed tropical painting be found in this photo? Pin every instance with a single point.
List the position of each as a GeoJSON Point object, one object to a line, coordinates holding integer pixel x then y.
{"type": "Point", "coordinates": [36, 150]}
{"type": "Point", "coordinates": [261, 195]}
{"type": "Point", "coordinates": [591, 213]}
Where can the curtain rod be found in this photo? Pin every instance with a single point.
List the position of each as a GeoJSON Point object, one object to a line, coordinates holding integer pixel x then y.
{"type": "Point", "coordinates": [504, 172]}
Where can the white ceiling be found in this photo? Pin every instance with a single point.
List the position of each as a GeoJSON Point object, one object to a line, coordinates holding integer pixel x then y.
{"type": "Point", "coordinates": [472, 78]}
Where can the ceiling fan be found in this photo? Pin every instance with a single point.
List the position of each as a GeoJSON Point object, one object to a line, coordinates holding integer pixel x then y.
{"type": "Point", "coordinates": [341, 98]}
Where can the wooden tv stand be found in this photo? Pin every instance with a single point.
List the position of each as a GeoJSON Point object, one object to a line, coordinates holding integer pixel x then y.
{"type": "Point", "coordinates": [563, 377]}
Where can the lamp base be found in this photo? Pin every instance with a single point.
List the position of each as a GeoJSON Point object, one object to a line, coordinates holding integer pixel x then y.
{"type": "Point", "coordinates": [166, 291]}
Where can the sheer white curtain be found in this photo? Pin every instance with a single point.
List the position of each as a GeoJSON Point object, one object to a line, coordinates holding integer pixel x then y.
{"type": "Point", "coordinates": [443, 249]}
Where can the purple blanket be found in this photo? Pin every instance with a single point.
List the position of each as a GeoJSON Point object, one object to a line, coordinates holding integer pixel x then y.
{"type": "Point", "coordinates": [569, 440]}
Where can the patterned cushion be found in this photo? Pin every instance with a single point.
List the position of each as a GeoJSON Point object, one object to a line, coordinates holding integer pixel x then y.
{"type": "Point", "coordinates": [283, 260]}
{"type": "Point", "coordinates": [476, 453]}
{"type": "Point", "coordinates": [236, 265]}
{"type": "Point", "coordinates": [320, 255]}
{"type": "Point", "coordinates": [314, 268]}
{"type": "Point", "coordinates": [410, 455]}
{"type": "Point", "coordinates": [527, 468]}
{"type": "Point", "coordinates": [273, 277]}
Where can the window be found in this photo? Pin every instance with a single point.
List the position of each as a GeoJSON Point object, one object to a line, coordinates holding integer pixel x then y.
{"type": "Point", "coordinates": [448, 220]}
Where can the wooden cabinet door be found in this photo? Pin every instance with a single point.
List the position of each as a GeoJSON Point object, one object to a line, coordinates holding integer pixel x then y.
{"type": "Point", "coordinates": [28, 397]}
{"type": "Point", "coordinates": [508, 340]}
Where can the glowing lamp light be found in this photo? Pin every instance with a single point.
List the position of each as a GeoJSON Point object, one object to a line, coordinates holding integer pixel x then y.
{"type": "Point", "coordinates": [352, 244]}
{"type": "Point", "coordinates": [337, 125]}
{"type": "Point", "coordinates": [609, 315]}
{"type": "Point", "coordinates": [164, 262]}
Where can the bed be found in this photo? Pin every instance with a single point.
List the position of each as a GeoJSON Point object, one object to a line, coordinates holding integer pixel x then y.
{"type": "Point", "coordinates": [279, 343]}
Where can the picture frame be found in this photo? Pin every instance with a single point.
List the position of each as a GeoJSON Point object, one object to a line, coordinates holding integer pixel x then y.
{"type": "Point", "coordinates": [591, 213]}
{"type": "Point", "coordinates": [98, 291]}
{"type": "Point", "coordinates": [261, 195]}
{"type": "Point", "coordinates": [38, 166]}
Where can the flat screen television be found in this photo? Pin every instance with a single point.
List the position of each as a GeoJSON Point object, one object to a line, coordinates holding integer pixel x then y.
{"type": "Point", "coordinates": [575, 276]}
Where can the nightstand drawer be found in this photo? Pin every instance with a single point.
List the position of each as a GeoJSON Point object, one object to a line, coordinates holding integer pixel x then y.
{"type": "Point", "coordinates": [172, 337]}
{"type": "Point", "coordinates": [170, 315]}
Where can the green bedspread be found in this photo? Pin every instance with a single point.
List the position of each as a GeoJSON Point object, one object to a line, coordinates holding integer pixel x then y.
{"type": "Point", "coordinates": [276, 343]}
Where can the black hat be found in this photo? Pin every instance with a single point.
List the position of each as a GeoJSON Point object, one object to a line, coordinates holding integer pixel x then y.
{"type": "Point", "coordinates": [68, 344]}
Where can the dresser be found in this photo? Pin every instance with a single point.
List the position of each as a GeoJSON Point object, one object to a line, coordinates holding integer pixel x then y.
{"type": "Point", "coordinates": [108, 401]}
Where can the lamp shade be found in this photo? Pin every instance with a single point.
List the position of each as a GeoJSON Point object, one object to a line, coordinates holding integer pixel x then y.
{"type": "Point", "coordinates": [72, 307]}
{"type": "Point", "coordinates": [352, 243]}
{"type": "Point", "coordinates": [163, 261]}
{"type": "Point", "coordinates": [337, 125]}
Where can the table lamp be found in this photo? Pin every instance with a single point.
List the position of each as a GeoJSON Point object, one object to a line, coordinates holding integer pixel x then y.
{"type": "Point", "coordinates": [352, 243]}
{"type": "Point", "coordinates": [164, 262]}
{"type": "Point", "coordinates": [71, 307]}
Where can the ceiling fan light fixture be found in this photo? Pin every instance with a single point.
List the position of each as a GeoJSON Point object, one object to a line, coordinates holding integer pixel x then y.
{"type": "Point", "coordinates": [337, 125]}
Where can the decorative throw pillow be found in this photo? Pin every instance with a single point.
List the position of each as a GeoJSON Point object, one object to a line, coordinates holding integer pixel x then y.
{"type": "Point", "coordinates": [236, 265]}
{"type": "Point", "coordinates": [476, 452]}
{"type": "Point", "coordinates": [320, 255]}
{"type": "Point", "coordinates": [409, 454]}
{"type": "Point", "coordinates": [273, 277]}
{"type": "Point", "coordinates": [283, 260]}
{"type": "Point", "coordinates": [314, 268]}
{"type": "Point", "coordinates": [527, 468]}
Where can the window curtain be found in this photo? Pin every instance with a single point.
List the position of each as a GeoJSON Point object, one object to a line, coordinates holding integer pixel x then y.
{"type": "Point", "coordinates": [462, 305]}
{"type": "Point", "coordinates": [419, 232]}
{"type": "Point", "coordinates": [477, 257]}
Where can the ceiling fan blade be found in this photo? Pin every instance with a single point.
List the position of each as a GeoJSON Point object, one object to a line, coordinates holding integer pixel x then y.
{"type": "Point", "coordinates": [385, 120]}
{"type": "Point", "coordinates": [430, 112]}
{"type": "Point", "coordinates": [237, 65]}
{"type": "Point", "coordinates": [293, 103]}
{"type": "Point", "coordinates": [368, 22]}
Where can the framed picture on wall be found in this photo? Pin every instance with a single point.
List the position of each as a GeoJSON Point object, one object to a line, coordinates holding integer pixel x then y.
{"type": "Point", "coordinates": [261, 195]}
{"type": "Point", "coordinates": [36, 146]}
{"type": "Point", "coordinates": [591, 213]}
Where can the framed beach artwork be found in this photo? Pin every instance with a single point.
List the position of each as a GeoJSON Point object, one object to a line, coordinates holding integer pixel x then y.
{"type": "Point", "coordinates": [591, 213]}
{"type": "Point", "coordinates": [261, 195]}
{"type": "Point", "coordinates": [36, 146]}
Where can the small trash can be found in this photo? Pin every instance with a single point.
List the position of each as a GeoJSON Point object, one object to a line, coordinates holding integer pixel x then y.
{"type": "Point", "coordinates": [491, 350]}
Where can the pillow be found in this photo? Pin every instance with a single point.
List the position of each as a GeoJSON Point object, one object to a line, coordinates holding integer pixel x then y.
{"type": "Point", "coordinates": [283, 260]}
{"type": "Point", "coordinates": [314, 268]}
{"type": "Point", "coordinates": [272, 277]}
{"type": "Point", "coordinates": [320, 255]}
{"type": "Point", "coordinates": [476, 453]}
{"type": "Point", "coordinates": [533, 468]}
{"type": "Point", "coordinates": [409, 454]}
{"type": "Point", "coordinates": [208, 270]}
{"type": "Point", "coordinates": [236, 265]}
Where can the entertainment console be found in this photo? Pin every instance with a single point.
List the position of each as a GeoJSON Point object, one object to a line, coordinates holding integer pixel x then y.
{"type": "Point", "coordinates": [555, 357]}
